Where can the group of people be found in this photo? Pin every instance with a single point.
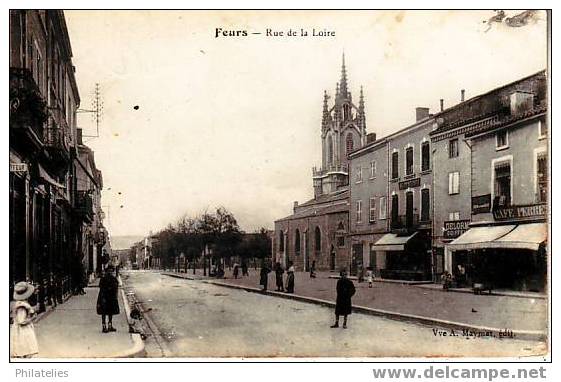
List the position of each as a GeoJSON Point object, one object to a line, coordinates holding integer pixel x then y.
{"type": "Point", "coordinates": [236, 270]}
{"type": "Point", "coordinates": [279, 277]}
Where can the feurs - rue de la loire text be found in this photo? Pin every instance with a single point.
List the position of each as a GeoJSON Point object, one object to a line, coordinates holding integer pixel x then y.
{"type": "Point", "coordinates": [271, 32]}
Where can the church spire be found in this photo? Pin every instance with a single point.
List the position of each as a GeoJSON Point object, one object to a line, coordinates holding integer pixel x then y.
{"type": "Point", "coordinates": [325, 117]}
{"type": "Point", "coordinates": [361, 114]}
{"type": "Point", "coordinates": [343, 87]}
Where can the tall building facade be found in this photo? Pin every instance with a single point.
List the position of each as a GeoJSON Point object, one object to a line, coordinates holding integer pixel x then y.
{"type": "Point", "coordinates": [316, 232]}
{"type": "Point", "coordinates": [44, 99]}
{"type": "Point", "coordinates": [500, 239]}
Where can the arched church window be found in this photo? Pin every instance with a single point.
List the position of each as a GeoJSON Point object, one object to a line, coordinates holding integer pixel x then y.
{"type": "Point", "coordinates": [349, 143]}
{"type": "Point", "coordinates": [318, 239]}
{"type": "Point", "coordinates": [346, 112]}
{"type": "Point", "coordinates": [281, 241]}
{"type": "Point", "coordinates": [297, 242]}
{"type": "Point", "coordinates": [329, 150]}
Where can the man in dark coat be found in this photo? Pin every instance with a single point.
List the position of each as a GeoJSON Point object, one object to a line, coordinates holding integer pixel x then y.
{"type": "Point", "coordinates": [343, 306]}
{"type": "Point", "coordinates": [264, 275]}
{"type": "Point", "coordinates": [279, 271]}
{"type": "Point", "coordinates": [107, 300]}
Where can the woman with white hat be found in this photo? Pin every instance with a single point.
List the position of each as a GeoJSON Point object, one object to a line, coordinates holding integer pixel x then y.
{"type": "Point", "coordinates": [23, 342]}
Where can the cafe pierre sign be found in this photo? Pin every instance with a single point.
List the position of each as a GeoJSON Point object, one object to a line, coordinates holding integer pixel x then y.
{"type": "Point", "coordinates": [523, 212]}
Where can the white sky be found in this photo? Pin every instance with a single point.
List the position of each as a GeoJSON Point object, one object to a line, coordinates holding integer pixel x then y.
{"type": "Point", "coordinates": [236, 121]}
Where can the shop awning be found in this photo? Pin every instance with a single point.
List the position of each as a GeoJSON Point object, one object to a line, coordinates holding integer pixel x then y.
{"type": "Point", "coordinates": [46, 177]}
{"type": "Point", "coordinates": [392, 242]}
{"type": "Point", "coordinates": [523, 236]}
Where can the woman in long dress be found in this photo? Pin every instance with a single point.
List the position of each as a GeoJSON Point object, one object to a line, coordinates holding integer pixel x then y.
{"type": "Point", "coordinates": [107, 299]}
{"type": "Point", "coordinates": [290, 279]}
{"type": "Point", "coordinates": [23, 342]}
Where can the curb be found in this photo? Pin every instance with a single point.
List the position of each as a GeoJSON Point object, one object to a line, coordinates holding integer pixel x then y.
{"type": "Point", "coordinates": [411, 318]}
{"type": "Point", "coordinates": [137, 350]}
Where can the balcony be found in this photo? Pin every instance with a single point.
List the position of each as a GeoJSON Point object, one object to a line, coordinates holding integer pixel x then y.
{"type": "Point", "coordinates": [28, 109]}
{"type": "Point", "coordinates": [339, 168]}
{"type": "Point", "coordinates": [84, 206]}
{"type": "Point", "coordinates": [403, 225]}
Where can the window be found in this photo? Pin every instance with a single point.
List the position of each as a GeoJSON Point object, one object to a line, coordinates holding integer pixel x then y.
{"type": "Point", "coordinates": [359, 211]}
{"type": "Point", "coordinates": [383, 208]}
{"type": "Point", "coordinates": [372, 169]}
{"type": "Point", "coordinates": [502, 139]}
{"type": "Point", "coordinates": [297, 243]}
{"type": "Point", "coordinates": [318, 239]}
{"type": "Point", "coordinates": [340, 241]}
{"type": "Point", "coordinates": [541, 180]}
{"type": "Point", "coordinates": [395, 208]}
{"type": "Point", "coordinates": [453, 216]}
{"type": "Point", "coordinates": [281, 241]}
{"type": "Point", "coordinates": [346, 112]}
{"type": "Point", "coordinates": [395, 165]}
{"type": "Point", "coordinates": [409, 209]}
{"type": "Point", "coordinates": [359, 174]}
{"type": "Point", "coordinates": [502, 184]}
{"type": "Point", "coordinates": [425, 204]}
{"type": "Point", "coordinates": [453, 148]}
{"type": "Point", "coordinates": [329, 151]}
{"type": "Point", "coordinates": [453, 183]}
{"type": "Point", "coordinates": [372, 214]}
{"type": "Point", "coordinates": [425, 156]}
{"type": "Point", "coordinates": [542, 128]}
{"type": "Point", "coordinates": [409, 161]}
{"type": "Point", "coordinates": [349, 143]}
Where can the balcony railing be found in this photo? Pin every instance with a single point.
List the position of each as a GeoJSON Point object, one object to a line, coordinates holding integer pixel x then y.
{"type": "Point", "coordinates": [27, 105]}
{"type": "Point", "coordinates": [402, 222]}
{"type": "Point", "coordinates": [57, 135]}
{"type": "Point", "coordinates": [330, 169]}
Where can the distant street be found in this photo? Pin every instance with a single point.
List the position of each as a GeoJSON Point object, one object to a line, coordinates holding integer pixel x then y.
{"type": "Point", "coordinates": [196, 319]}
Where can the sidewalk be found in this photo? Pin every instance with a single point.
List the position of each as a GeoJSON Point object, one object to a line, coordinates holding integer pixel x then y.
{"type": "Point", "coordinates": [413, 303]}
{"type": "Point", "coordinates": [73, 330]}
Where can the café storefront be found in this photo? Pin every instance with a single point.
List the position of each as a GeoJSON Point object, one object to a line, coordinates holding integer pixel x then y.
{"type": "Point", "coordinates": [509, 253]}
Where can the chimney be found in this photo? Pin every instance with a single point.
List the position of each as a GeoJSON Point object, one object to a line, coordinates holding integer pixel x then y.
{"type": "Point", "coordinates": [441, 104]}
{"type": "Point", "coordinates": [370, 137]}
{"type": "Point", "coordinates": [295, 205]}
{"type": "Point", "coordinates": [421, 113]}
{"type": "Point", "coordinates": [463, 96]}
{"type": "Point", "coordinates": [521, 102]}
{"type": "Point", "coordinates": [79, 136]}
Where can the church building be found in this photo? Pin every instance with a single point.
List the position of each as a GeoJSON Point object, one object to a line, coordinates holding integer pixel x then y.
{"type": "Point", "coordinates": [316, 232]}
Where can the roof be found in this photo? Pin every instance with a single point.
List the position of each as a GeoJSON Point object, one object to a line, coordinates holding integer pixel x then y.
{"type": "Point", "coordinates": [323, 205]}
{"type": "Point", "coordinates": [493, 102]}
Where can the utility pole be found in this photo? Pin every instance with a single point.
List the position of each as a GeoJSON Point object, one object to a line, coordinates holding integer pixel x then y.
{"type": "Point", "coordinates": [96, 110]}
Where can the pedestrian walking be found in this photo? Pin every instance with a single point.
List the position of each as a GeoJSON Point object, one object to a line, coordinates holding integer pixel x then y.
{"type": "Point", "coordinates": [369, 276]}
{"type": "Point", "coordinates": [236, 270]}
{"type": "Point", "coordinates": [107, 300]}
{"type": "Point", "coordinates": [244, 269]}
{"type": "Point", "coordinates": [343, 306]}
{"type": "Point", "coordinates": [23, 342]}
{"type": "Point", "coordinates": [264, 275]}
{"type": "Point", "coordinates": [290, 278]}
{"type": "Point", "coordinates": [279, 271]}
{"type": "Point", "coordinates": [313, 270]}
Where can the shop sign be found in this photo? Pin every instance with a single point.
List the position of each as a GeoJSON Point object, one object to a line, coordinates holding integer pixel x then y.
{"type": "Point", "coordinates": [409, 183]}
{"type": "Point", "coordinates": [522, 212]}
{"type": "Point", "coordinates": [481, 204]}
{"type": "Point", "coordinates": [454, 228]}
{"type": "Point", "coordinates": [18, 167]}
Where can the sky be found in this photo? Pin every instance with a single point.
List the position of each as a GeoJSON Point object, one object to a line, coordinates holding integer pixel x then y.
{"type": "Point", "coordinates": [235, 121]}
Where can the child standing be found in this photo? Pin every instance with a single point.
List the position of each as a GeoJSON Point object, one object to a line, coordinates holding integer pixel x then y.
{"type": "Point", "coordinates": [369, 276]}
{"type": "Point", "coordinates": [23, 342]}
